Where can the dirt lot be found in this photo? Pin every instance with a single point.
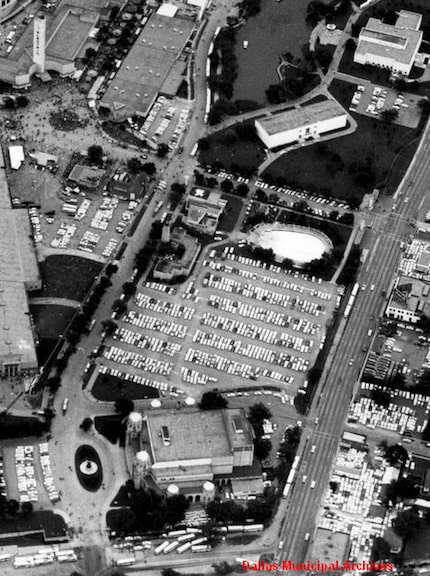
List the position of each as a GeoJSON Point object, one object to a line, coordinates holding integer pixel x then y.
{"type": "Point", "coordinates": [197, 318]}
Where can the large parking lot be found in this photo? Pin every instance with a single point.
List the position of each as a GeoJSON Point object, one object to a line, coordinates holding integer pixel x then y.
{"type": "Point", "coordinates": [235, 322]}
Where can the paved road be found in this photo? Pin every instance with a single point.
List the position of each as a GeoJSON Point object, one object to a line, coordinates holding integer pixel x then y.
{"type": "Point", "coordinates": [337, 384]}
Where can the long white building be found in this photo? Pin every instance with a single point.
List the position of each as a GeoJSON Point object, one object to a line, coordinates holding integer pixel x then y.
{"type": "Point", "coordinates": [300, 124]}
{"type": "Point", "coordinates": [390, 46]}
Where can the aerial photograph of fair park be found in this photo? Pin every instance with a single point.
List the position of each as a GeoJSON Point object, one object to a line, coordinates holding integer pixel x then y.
{"type": "Point", "coordinates": [214, 287]}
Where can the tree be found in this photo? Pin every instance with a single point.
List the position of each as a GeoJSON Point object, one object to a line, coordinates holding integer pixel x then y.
{"type": "Point", "coordinates": [257, 413]}
{"type": "Point", "coordinates": [396, 454]}
{"type": "Point", "coordinates": [424, 106]}
{"type": "Point", "coordinates": [109, 326]}
{"type": "Point", "coordinates": [124, 406]}
{"type": "Point", "coordinates": [223, 568]}
{"type": "Point", "coordinates": [407, 523]}
{"type": "Point", "coordinates": [212, 400]}
{"type": "Point", "coordinates": [119, 306]}
{"type": "Point", "coordinates": [262, 448]}
{"type": "Point", "coordinates": [149, 168]}
{"type": "Point", "coordinates": [9, 102]}
{"type": "Point", "coordinates": [53, 383]}
{"type": "Point", "coordinates": [22, 101]}
{"type": "Point", "coordinates": [90, 53]}
{"type": "Point", "coordinates": [111, 269]}
{"type": "Point", "coordinates": [26, 508]}
{"type": "Point", "coordinates": [380, 550]}
{"type": "Point", "coordinates": [176, 507]}
{"type": "Point", "coordinates": [95, 154]}
{"type": "Point", "coordinates": [134, 165]}
{"type": "Point", "coordinates": [162, 150]}
{"type": "Point", "coordinates": [350, 44]}
{"type": "Point", "coordinates": [204, 143]}
{"type": "Point", "coordinates": [402, 488]}
{"type": "Point", "coordinates": [86, 424]}
{"type": "Point", "coordinates": [226, 186]}
{"type": "Point", "coordinates": [129, 288]}
{"type": "Point", "coordinates": [242, 189]}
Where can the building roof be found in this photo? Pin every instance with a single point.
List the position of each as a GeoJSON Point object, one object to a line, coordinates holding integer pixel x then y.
{"type": "Point", "coordinates": [408, 19]}
{"type": "Point", "coordinates": [16, 156]}
{"type": "Point", "coordinates": [168, 10]}
{"type": "Point", "coordinates": [30, 268]}
{"type": "Point", "coordinates": [411, 294]}
{"type": "Point", "coordinates": [43, 158]}
{"type": "Point", "coordinates": [147, 65]}
{"type": "Point", "coordinates": [390, 41]}
{"type": "Point", "coordinates": [302, 116]}
{"type": "Point", "coordinates": [196, 434]}
{"type": "Point", "coordinates": [86, 175]}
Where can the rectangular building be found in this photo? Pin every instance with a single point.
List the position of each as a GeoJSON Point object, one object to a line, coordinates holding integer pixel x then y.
{"type": "Point", "coordinates": [204, 208]}
{"type": "Point", "coordinates": [409, 300]}
{"type": "Point", "coordinates": [300, 124]}
{"type": "Point", "coordinates": [144, 70]}
{"type": "Point", "coordinates": [390, 46]}
{"type": "Point", "coordinates": [189, 447]}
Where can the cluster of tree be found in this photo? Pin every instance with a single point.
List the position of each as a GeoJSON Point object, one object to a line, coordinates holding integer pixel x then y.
{"type": "Point", "coordinates": [229, 512]}
{"type": "Point", "coordinates": [223, 60]}
{"type": "Point", "coordinates": [241, 189]}
{"type": "Point", "coordinates": [20, 427]}
{"type": "Point", "coordinates": [135, 166]}
{"type": "Point", "coordinates": [123, 406]}
{"type": "Point", "coordinates": [401, 489]}
{"type": "Point", "coordinates": [395, 454]}
{"type": "Point", "coordinates": [12, 102]}
{"type": "Point", "coordinates": [223, 107]}
{"type": "Point", "coordinates": [363, 173]}
{"type": "Point", "coordinates": [162, 150]}
{"type": "Point", "coordinates": [95, 154]}
{"type": "Point", "coordinates": [407, 523]}
{"type": "Point", "coordinates": [177, 192]}
{"type": "Point", "coordinates": [81, 321]}
{"type": "Point", "coordinates": [171, 249]}
{"type": "Point", "coordinates": [318, 9]}
{"type": "Point", "coordinates": [149, 511]}
{"type": "Point", "coordinates": [351, 266]}
{"type": "Point", "coordinates": [257, 414]}
{"type": "Point", "coordinates": [289, 444]}
{"type": "Point", "coordinates": [202, 180]}
{"type": "Point", "coordinates": [212, 400]}
{"type": "Point", "coordinates": [294, 85]}
{"type": "Point", "coordinates": [10, 509]}
{"type": "Point", "coordinates": [146, 253]}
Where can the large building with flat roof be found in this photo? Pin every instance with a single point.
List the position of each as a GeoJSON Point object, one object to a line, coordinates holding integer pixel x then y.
{"type": "Point", "coordinates": [189, 447]}
{"type": "Point", "coordinates": [390, 46]}
{"type": "Point", "coordinates": [409, 300]}
{"type": "Point", "coordinates": [19, 272]}
{"type": "Point", "coordinates": [145, 71]}
{"type": "Point", "coordinates": [204, 208]}
{"type": "Point", "coordinates": [300, 124]}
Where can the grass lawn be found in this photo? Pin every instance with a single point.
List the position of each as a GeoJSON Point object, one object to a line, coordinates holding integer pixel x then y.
{"type": "Point", "coordinates": [388, 148]}
{"type": "Point", "coordinates": [418, 545]}
{"type": "Point", "coordinates": [108, 388]}
{"type": "Point", "coordinates": [111, 428]}
{"type": "Point", "coordinates": [230, 216]}
{"type": "Point", "coordinates": [67, 276]}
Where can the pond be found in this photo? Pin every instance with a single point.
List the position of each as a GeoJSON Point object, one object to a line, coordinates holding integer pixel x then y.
{"type": "Point", "coordinates": [279, 27]}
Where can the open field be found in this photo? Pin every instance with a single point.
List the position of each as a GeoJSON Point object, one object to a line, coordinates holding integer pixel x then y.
{"type": "Point", "coordinates": [233, 323]}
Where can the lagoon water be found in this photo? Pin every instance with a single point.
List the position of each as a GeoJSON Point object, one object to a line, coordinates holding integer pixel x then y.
{"type": "Point", "coordinates": [279, 27]}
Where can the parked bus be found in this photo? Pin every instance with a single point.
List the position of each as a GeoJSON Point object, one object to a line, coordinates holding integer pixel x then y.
{"type": "Point", "coordinates": [201, 548]}
{"type": "Point", "coordinates": [161, 547]}
{"type": "Point", "coordinates": [172, 546]}
{"type": "Point", "coordinates": [4, 557]}
{"type": "Point", "coordinates": [129, 561]}
{"type": "Point", "coordinates": [186, 537]}
{"type": "Point", "coordinates": [65, 405]}
{"type": "Point", "coordinates": [183, 548]}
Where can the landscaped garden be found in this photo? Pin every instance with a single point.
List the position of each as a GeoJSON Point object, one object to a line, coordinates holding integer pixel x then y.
{"type": "Point", "coordinates": [108, 388]}
{"type": "Point", "coordinates": [88, 468]}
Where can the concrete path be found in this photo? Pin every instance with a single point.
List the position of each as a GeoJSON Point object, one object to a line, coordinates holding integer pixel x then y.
{"type": "Point", "coordinates": [51, 301]}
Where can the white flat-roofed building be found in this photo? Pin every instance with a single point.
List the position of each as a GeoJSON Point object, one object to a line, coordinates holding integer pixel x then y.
{"type": "Point", "coordinates": [390, 46]}
{"type": "Point", "coordinates": [299, 124]}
